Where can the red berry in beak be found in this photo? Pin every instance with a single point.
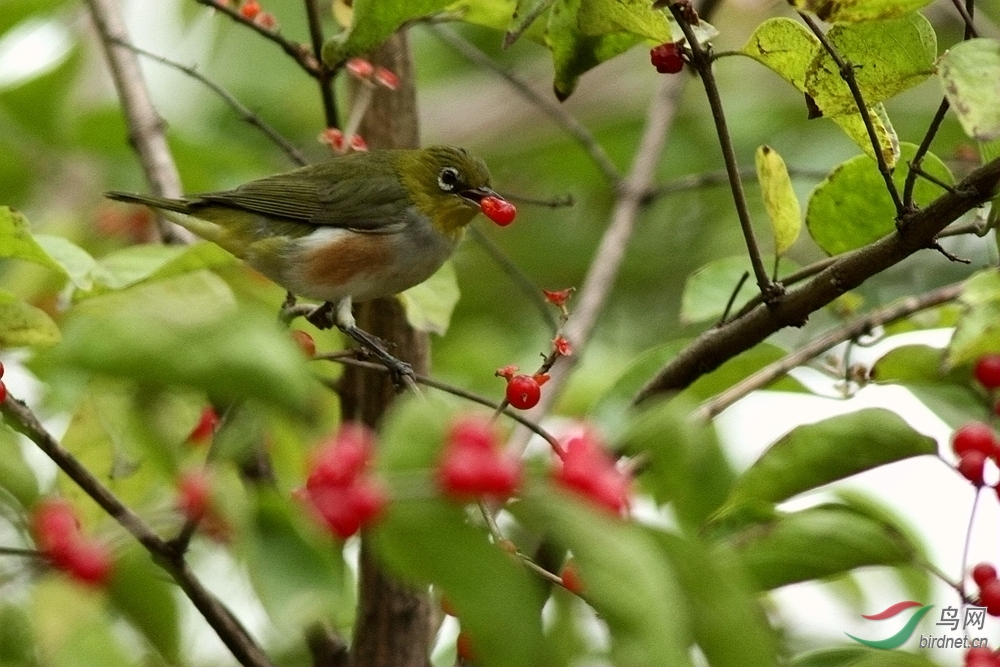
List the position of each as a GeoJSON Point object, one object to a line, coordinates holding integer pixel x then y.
{"type": "Point", "coordinates": [498, 210]}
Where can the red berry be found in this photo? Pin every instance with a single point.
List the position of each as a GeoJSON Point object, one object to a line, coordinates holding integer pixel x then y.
{"type": "Point", "coordinates": [358, 143]}
{"type": "Point", "coordinates": [472, 463]}
{"type": "Point", "coordinates": [976, 436]}
{"type": "Point", "coordinates": [207, 423]}
{"type": "Point", "coordinates": [194, 494]}
{"type": "Point", "coordinates": [332, 137]}
{"type": "Point", "coordinates": [970, 466]}
{"type": "Point", "coordinates": [979, 657]}
{"type": "Point", "coordinates": [55, 528]}
{"type": "Point", "coordinates": [983, 573]}
{"type": "Point", "coordinates": [360, 68]}
{"type": "Point", "coordinates": [305, 342]}
{"type": "Point", "coordinates": [667, 58]}
{"type": "Point", "coordinates": [571, 578]}
{"type": "Point", "coordinates": [250, 9]}
{"type": "Point", "coordinates": [3, 392]}
{"type": "Point", "coordinates": [588, 470]}
{"type": "Point", "coordinates": [386, 78]}
{"type": "Point", "coordinates": [342, 459]}
{"type": "Point", "coordinates": [89, 562]}
{"type": "Point", "coordinates": [463, 647]}
{"type": "Point", "coordinates": [498, 210]}
{"type": "Point", "coordinates": [988, 371]}
{"type": "Point", "coordinates": [989, 597]}
{"type": "Point", "coordinates": [345, 509]}
{"type": "Point", "coordinates": [266, 20]}
{"type": "Point", "coordinates": [523, 392]}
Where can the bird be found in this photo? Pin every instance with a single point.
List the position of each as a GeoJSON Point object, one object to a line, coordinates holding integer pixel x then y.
{"type": "Point", "coordinates": [356, 227]}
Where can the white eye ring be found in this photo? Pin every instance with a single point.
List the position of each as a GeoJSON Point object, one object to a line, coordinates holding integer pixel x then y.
{"type": "Point", "coordinates": [448, 179]}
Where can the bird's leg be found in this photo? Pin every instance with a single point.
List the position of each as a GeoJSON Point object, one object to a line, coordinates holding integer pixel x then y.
{"type": "Point", "coordinates": [322, 316]}
{"type": "Point", "coordinates": [345, 322]}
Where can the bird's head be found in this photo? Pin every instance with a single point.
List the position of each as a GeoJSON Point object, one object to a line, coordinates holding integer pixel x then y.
{"type": "Point", "coordinates": [447, 184]}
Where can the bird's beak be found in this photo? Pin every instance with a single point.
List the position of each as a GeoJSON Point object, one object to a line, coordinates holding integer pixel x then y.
{"type": "Point", "coordinates": [476, 195]}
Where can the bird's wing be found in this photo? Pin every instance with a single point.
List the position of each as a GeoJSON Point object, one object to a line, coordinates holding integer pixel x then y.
{"type": "Point", "coordinates": [359, 196]}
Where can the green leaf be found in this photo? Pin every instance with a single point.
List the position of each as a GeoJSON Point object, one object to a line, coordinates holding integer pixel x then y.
{"type": "Point", "coordinates": [727, 619]}
{"type": "Point", "coordinates": [839, 220]}
{"type": "Point", "coordinates": [854, 127]}
{"type": "Point", "coordinates": [785, 47]}
{"type": "Point", "coordinates": [888, 57]}
{"type": "Point", "coordinates": [16, 241]}
{"type": "Point", "coordinates": [185, 331]}
{"type": "Point", "coordinates": [970, 75]}
{"type": "Point", "coordinates": [978, 330]}
{"type": "Point", "coordinates": [142, 593]}
{"type": "Point", "coordinates": [21, 324]}
{"type": "Point", "coordinates": [921, 370]}
{"type": "Point", "coordinates": [859, 656]}
{"type": "Point", "coordinates": [17, 478]}
{"type": "Point", "coordinates": [817, 543]}
{"type": "Point", "coordinates": [645, 619]}
{"type": "Point", "coordinates": [687, 467]}
{"type": "Point", "coordinates": [74, 260]}
{"type": "Point", "coordinates": [298, 576]}
{"type": "Point", "coordinates": [430, 542]}
{"type": "Point", "coordinates": [574, 52]}
{"type": "Point", "coordinates": [707, 291]}
{"type": "Point", "coordinates": [789, 49]}
{"type": "Point", "coordinates": [373, 22]}
{"type": "Point", "coordinates": [526, 12]}
{"type": "Point", "coordinates": [816, 454]}
{"type": "Point", "coordinates": [602, 17]}
{"type": "Point", "coordinates": [740, 367]}
{"type": "Point", "coordinates": [430, 304]}
{"type": "Point", "coordinates": [780, 202]}
{"type": "Point", "coordinates": [856, 11]}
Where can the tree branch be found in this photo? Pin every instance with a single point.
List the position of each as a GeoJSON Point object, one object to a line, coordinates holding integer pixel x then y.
{"type": "Point", "coordinates": [715, 346]}
{"type": "Point", "coordinates": [818, 346]}
{"type": "Point", "coordinates": [323, 75]}
{"type": "Point", "coordinates": [146, 128]}
{"type": "Point", "coordinates": [236, 638]}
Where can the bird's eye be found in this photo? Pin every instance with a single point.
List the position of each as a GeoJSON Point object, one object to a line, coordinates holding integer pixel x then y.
{"type": "Point", "coordinates": [448, 179]}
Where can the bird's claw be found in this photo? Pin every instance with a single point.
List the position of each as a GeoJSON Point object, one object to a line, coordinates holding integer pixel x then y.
{"type": "Point", "coordinates": [322, 317]}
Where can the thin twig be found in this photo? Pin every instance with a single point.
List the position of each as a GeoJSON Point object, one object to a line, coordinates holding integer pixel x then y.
{"type": "Point", "coordinates": [605, 265]}
{"type": "Point", "coordinates": [516, 275]}
{"type": "Point", "coordinates": [846, 70]}
{"type": "Point", "coordinates": [818, 346]}
{"type": "Point", "coordinates": [702, 63]}
{"type": "Point", "coordinates": [922, 149]}
{"type": "Point", "coordinates": [146, 128]}
{"type": "Point", "coordinates": [563, 118]}
{"type": "Point", "coordinates": [236, 638]}
{"type": "Point", "coordinates": [18, 551]}
{"type": "Point", "coordinates": [966, 12]}
{"type": "Point", "coordinates": [300, 53]}
{"type": "Point", "coordinates": [715, 178]}
{"type": "Point", "coordinates": [245, 114]}
{"type": "Point", "coordinates": [323, 76]}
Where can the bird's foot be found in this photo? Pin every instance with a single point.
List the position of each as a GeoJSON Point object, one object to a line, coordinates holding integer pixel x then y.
{"type": "Point", "coordinates": [322, 317]}
{"type": "Point", "coordinates": [401, 372]}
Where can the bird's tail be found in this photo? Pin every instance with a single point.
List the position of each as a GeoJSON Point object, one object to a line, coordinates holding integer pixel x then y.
{"type": "Point", "coordinates": [164, 203]}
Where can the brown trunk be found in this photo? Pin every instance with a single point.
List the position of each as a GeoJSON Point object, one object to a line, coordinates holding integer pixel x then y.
{"type": "Point", "coordinates": [393, 624]}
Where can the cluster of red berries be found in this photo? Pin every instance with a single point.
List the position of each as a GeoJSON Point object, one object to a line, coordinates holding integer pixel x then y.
{"type": "Point", "coordinates": [981, 657]}
{"type": "Point", "coordinates": [207, 424]}
{"type": "Point", "coordinates": [56, 530]}
{"type": "Point", "coordinates": [523, 391]}
{"type": "Point", "coordinates": [976, 442]}
{"type": "Point", "coordinates": [339, 487]}
{"type": "Point", "coordinates": [499, 210]}
{"type": "Point", "coordinates": [985, 576]}
{"type": "Point", "coordinates": [473, 464]}
{"type": "Point", "coordinates": [587, 469]}
{"type": "Point", "coordinates": [252, 11]}
{"type": "Point", "coordinates": [3, 387]}
{"type": "Point", "coordinates": [334, 138]}
{"type": "Point", "coordinates": [363, 70]}
{"type": "Point", "coordinates": [667, 58]}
